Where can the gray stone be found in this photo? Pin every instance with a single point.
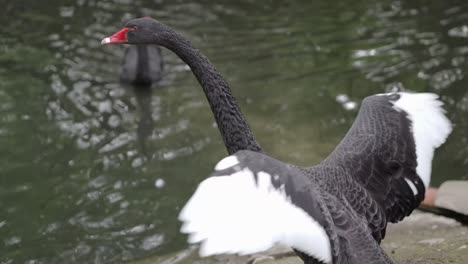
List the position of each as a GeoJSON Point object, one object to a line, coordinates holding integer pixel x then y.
{"type": "Point", "coordinates": [427, 238]}
{"type": "Point", "coordinates": [453, 195]}
{"type": "Point", "coordinates": [420, 239]}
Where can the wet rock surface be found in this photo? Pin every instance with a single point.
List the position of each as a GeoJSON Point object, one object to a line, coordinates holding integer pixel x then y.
{"type": "Point", "coordinates": [427, 238]}
{"type": "Point", "coordinates": [453, 195]}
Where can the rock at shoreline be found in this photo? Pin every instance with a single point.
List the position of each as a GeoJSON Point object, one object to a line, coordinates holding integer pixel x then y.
{"type": "Point", "coordinates": [453, 195]}
{"type": "Point", "coordinates": [420, 239]}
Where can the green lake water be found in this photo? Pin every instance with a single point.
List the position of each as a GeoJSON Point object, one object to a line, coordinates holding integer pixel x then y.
{"type": "Point", "coordinates": [92, 171]}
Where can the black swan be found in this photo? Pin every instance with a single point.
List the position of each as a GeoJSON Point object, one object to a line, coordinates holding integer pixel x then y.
{"type": "Point", "coordinates": [142, 65]}
{"type": "Point", "coordinates": [335, 212]}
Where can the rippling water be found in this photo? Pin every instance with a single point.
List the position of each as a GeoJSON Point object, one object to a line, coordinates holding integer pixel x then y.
{"type": "Point", "coordinates": [92, 171]}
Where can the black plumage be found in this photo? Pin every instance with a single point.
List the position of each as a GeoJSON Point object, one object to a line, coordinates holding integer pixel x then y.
{"type": "Point", "coordinates": [360, 187]}
{"type": "Point", "coordinates": [370, 179]}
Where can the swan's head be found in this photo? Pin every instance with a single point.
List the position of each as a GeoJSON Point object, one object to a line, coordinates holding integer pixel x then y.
{"type": "Point", "coordinates": [143, 30]}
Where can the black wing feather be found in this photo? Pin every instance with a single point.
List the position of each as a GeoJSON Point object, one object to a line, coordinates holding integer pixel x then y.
{"type": "Point", "coordinates": [379, 152]}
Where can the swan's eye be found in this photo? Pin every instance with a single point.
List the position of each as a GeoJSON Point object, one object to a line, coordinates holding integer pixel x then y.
{"type": "Point", "coordinates": [134, 28]}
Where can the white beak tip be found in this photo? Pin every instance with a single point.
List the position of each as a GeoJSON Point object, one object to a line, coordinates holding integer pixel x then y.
{"type": "Point", "coordinates": [105, 41]}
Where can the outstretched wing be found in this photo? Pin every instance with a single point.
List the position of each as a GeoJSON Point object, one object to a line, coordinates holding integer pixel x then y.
{"type": "Point", "coordinates": [390, 146]}
{"type": "Point", "coordinates": [253, 202]}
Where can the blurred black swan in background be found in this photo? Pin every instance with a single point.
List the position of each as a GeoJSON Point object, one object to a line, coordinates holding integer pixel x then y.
{"type": "Point", "coordinates": [142, 65]}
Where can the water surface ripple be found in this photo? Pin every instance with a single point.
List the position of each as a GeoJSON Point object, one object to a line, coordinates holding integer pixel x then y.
{"type": "Point", "coordinates": [96, 172]}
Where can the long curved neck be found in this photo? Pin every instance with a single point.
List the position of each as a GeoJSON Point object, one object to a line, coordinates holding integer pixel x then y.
{"type": "Point", "coordinates": [234, 129]}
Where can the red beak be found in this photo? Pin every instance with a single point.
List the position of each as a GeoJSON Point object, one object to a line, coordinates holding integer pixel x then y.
{"type": "Point", "coordinates": [118, 38]}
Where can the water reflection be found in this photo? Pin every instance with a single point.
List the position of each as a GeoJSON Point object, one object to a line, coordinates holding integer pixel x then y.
{"type": "Point", "coordinates": [93, 170]}
{"type": "Point", "coordinates": [423, 47]}
{"type": "Point", "coordinates": [146, 123]}
{"type": "Point", "coordinates": [413, 40]}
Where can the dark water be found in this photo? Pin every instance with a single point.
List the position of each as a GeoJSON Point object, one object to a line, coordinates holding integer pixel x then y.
{"type": "Point", "coordinates": [94, 172]}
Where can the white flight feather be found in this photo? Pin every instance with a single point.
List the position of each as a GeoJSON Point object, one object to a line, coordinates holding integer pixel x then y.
{"type": "Point", "coordinates": [234, 214]}
{"type": "Point", "coordinates": [430, 128]}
